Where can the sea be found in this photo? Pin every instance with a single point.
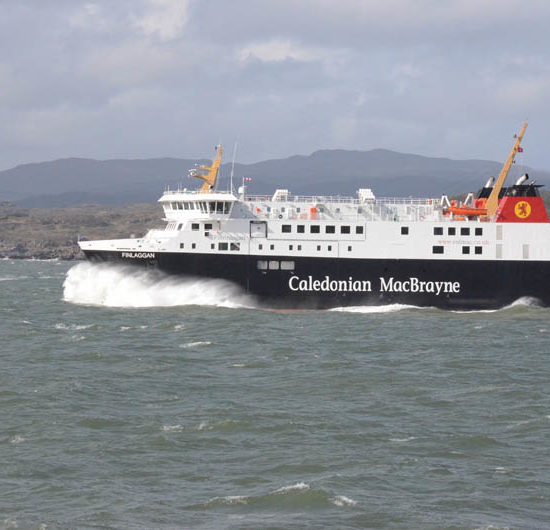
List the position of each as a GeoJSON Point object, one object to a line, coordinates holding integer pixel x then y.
{"type": "Point", "coordinates": [132, 400]}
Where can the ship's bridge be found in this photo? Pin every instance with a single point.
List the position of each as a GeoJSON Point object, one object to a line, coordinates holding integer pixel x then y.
{"type": "Point", "coordinates": [185, 204]}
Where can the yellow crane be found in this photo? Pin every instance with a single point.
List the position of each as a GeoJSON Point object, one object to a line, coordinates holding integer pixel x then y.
{"type": "Point", "coordinates": [492, 201]}
{"type": "Point", "coordinates": [208, 174]}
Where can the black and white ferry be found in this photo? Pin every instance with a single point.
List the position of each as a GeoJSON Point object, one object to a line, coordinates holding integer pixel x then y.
{"type": "Point", "coordinates": [320, 252]}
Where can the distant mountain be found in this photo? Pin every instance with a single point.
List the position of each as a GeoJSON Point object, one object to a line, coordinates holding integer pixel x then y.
{"type": "Point", "coordinates": [388, 173]}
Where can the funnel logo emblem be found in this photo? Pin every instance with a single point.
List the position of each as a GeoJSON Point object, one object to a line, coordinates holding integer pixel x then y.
{"type": "Point", "coordinates": [522, 209]}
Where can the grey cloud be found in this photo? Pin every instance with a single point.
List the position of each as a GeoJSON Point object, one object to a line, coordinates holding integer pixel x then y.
{"type": "Point", "coordinates": [145, 78]}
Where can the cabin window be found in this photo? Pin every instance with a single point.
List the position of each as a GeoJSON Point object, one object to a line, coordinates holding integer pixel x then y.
{"type": "Point", "coordinates": [349, 248]}
{"type": "Point", "coordinates": [299, 247]}
{"type": "Point", "coordinates": [262, 265]}
{"type": "Point", "coordinates": [300, 229]}
{"type": "Point", "coordinates": [464, 231]}
{"type": "Point", "coordinates": [345, 229]}
{"type": "Point", "coordinates": [479, 250]}
{"type": "Point", "coordinates": [287, 265]}
{"type": "Point", "coordinates": [297, 210]}
{"type": "Point", "coordinates": [479, 231]}
{"type": "Point", "coordinates": [359, 210]}
{"type": "Point", "coordinates": [179, 226]}
{"type": "Point", "coordinates": [438, 230]}
{"type": "Point", "coordinates": [318, 247]}
{"type": "Point", "coordinates": [404, 230]}
{"type": "Point", "coordinates": [182, 245]}
{"type": "Point", "coordinates": [212, 246]}
{"type": "Point", "coordinates": [437, 249]}
{"type": "Point", "coordinates": [234, 246]}
{"type": "Point", "coordinates": [286, 229]}
{"type": "Point", "coordinates": [271, 247]}
{"type": "Point", "coordinates": [330, 229]}
{"type": "Point", "coordinates": [193, 245]}
{"type": "Point", "coordinates": [195, 226]}
{"type": "Point", "coordinates": [315, 229]}
{"type": "Point", "coordinates": [268, 209]}
{"type": "Point", "coordinates": [223, 246]}
{"type": "Point", "coordinates": [290, 247]}
{"type": "Point", "coordinates": [273, 265]}
{"type": "Point", "coordinates": [208, 226]}
{"type": "Point", "coordinates": [260, 247]}
{"type": "Point", "coordinates": [451, 231]}
{"type": "Point", "coordinates": [465, 250]}
{"type": "Point", "coordinates": [329, 248]}
{"type": "Point", "coordinates": [358, 229]}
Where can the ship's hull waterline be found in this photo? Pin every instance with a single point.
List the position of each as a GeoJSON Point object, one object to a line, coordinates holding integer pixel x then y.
{"type": "Point", "coordinates": [323, 283]}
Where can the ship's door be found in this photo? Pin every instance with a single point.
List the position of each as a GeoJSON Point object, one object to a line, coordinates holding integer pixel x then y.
{"type": "Point", "coordinates": [258, 229]}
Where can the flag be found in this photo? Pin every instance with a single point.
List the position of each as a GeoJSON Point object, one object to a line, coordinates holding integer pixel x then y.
{"type": "Point", "coordinates": [520, 149]}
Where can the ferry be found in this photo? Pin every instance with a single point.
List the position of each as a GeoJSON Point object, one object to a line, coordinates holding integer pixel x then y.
{"type": "Point", "coordinates": [320, 252]}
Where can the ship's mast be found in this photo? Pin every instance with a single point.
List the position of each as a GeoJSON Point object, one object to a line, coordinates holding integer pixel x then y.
{"type": "Point", "coordinates": [492, 201]}
{"type": "Point", "coordinates": [208, 174]}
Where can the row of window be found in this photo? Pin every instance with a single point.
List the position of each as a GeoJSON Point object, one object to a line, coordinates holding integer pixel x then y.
{"type": "Point", "coordinates": [299, 247]}
{"type": "Point", "coordinates": [275, 265]}
{"type": "Point", "coordinates": [451, 231]}
{"type": "Point", "coordinates": [203, 206]}
{"type": "Point", "coordinates": [438, 249]}
{"type": "Point", "coordinates": [221, 246]}
{"type": "Point", "coordinates": [316, 229]}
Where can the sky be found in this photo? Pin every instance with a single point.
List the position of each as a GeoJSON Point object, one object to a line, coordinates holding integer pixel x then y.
{"type": "Point", "coordinates": [172, 78]}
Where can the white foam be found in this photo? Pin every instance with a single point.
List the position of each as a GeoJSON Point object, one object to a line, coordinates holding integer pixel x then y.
{"type": "Point", "coordinates": [402, 440]}
{"type": "Point", "coordinates": [342, 500]}
{"type": "Point", "coordinates": [390, 308]}
{"type": "Point", "coordinates": [231, 499]}
{"type": "Point", "coordinates": [72, 327]}
{"type": "Point", "coordinates": [299, 486]}
{"type": "Point", "coordinates": [195, 344]}
{"type": "Point", "coordinates": [17, 439]}
{"type": "Point", "coordinates": [172, 428]}
{"type": "Point", "coordinates": [122, 286]}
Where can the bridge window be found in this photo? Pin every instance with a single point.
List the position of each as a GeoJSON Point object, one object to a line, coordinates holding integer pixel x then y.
{"type": "Point", "coordinates": [195, 226]}
{"type": "Point", "coordinates": [287, 265]}
{"type": "Point", "coordinates": [262, 265]}
{"type": "Point", "coordinates": [179, 226]}
{"type": "Point", "coordinates": [273, 265]}
{"type": "Point", "coordinates": [208, 226]}
{"type": "Point", "coordinates": [186, 206]}
{"type": "Point", "coordinates": [235, 246]}
{"type": "Point", "coordinates": [437, 249]}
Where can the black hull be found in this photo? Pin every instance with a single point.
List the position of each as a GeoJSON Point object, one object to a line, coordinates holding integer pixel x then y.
{"type": "Point", "coordinates": [319, 283]}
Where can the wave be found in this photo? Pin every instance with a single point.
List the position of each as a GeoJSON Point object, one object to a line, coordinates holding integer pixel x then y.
{"type": "Point", "coordinates": [389, 308]}
{"type": "Point", "coordinates": [299, 495]}
{"type": "Point", "coordinates": [122, 286]}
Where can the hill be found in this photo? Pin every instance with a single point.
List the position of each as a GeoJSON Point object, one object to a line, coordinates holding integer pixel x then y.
{"type": "Point", "coordinates": [75, 181]}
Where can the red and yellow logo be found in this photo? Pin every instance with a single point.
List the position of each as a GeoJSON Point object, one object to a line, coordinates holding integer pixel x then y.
{"type": "Point", "coordinates": [522, 209]}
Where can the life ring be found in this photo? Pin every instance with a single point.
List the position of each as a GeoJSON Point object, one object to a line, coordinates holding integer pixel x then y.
{"type": "Point", "coordinates": [280, 216]}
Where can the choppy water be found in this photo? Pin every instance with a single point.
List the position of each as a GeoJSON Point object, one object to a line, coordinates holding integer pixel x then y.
{"type": "Point", "coordinates": [137, 401]}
